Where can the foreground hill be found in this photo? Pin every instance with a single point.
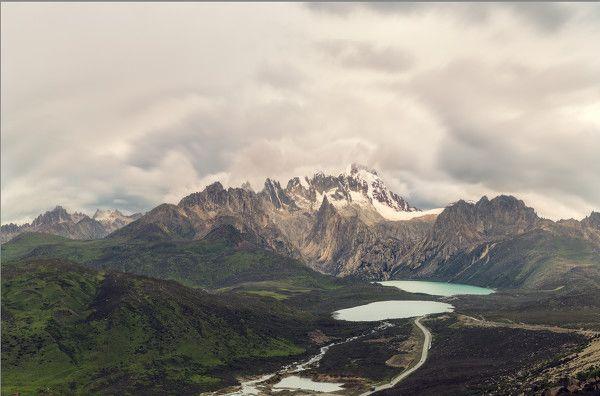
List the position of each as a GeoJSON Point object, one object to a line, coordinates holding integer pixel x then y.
{"type": "Point", "coordinates": [85, 331]}
{"type": "Point", "coordinates": [80, 330]}
{"type": "Point", "coordinates": [223, 260]}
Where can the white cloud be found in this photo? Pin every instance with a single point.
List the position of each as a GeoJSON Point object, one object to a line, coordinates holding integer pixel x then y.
{"type": "Point", "coordinates": [130, 105]}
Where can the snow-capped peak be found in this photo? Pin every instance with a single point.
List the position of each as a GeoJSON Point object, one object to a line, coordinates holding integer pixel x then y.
{"type": "Point", "coordinates": [386, 202]}
{"type": "Point", "coordinates": [360, 186]}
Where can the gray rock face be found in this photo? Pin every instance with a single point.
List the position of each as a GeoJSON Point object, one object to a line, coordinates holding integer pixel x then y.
{"type": "Point", "coordinates": [330, 222]}
{"type": "Point", "coordinates": [463, 226]}
{"type": "Point", "coordinates": [593, 220]}
{"type": "Point", "coordinates": [503, 243]}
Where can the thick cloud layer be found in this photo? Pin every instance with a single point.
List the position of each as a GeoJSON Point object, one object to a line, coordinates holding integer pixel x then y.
{"type": "Point", "coordinates": [131, 105]}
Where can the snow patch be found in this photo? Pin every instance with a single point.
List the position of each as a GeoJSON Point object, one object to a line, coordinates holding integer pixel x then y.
{"type": "Point", "coordinates": [391, 214]}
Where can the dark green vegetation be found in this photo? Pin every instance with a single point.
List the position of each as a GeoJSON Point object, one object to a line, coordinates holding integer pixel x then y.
{"type": "Point", "coordinates": [591, 372]}
{"type": "Point", "coordinates": [83, 326]}
{"type": "Point", "coordinates": [366, 357]}
{"type": "Point", "coordinates": [478, 360]}
{"type": "Point", "coordinates": [573, 306]}
{"type": "Point", "coordinates": [223, 261]}
{"type": "Point", "coordinates": [69, 328]}
{"type": "Point", "coordinates": [223, 258]}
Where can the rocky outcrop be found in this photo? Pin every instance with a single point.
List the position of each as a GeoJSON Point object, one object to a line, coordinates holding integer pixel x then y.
{"type": "Point", "coordinates": [503, 243]}
{"type": "Point", "coordinates": [250, 212]}
{"type": "Point", "coordinates": [463, 226]}
{"type": "Point", "coordinates": [277, 196]}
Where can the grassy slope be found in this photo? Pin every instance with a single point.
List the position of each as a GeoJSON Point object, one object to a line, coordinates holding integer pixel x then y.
{"type": "Point", "coordinates": [220, 263]}
{"type": "Point", "coordinates": [68, 328]}
{"type": "Point", "coordinates": [214, 263]}
{"type": "Point", "coordinates": [87, 327]}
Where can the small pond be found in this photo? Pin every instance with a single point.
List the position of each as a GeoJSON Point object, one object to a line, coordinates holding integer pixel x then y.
{"type": "Point", "coordinates": [295, 382]}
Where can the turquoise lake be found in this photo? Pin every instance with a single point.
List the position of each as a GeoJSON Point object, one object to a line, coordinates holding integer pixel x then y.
{"type": "Point", "coordinates": [437, 288]}
{"type": "Point", "coordinates": [393, 309]}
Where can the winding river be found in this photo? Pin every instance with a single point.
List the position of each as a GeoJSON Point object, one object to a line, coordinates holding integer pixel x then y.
{"type": "Point", "coordinates": [253, 386]}
{"type": "Point", "coordinates": [374, 312]}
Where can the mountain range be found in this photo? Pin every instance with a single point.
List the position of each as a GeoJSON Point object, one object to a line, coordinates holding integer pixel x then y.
{"type": "Point", "coordinates": [354, 225]}
{"type": "Point", "coordinates": [71, 225]}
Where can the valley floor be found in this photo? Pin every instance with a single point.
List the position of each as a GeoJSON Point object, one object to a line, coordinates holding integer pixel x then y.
{"type": "Point", "coordinates": [197, 316]}
{"type": "Point", "coordinates": [469, 354]}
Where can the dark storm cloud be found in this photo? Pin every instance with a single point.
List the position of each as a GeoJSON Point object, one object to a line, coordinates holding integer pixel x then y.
{"type": "Point", "coordinates": [547, 17]}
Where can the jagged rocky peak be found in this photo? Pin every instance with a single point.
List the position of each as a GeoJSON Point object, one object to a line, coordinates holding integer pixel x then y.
{"type": "Point", "coordinates": [506, 211]}
{"type": "Point", "coordinates": [213, 193]}
{"type": "Point", "coordinates": [593, 220]}
{"type": "Point", "coordinates": [298, 184]}
{"type": "Point", "coordinates": [113, 219]}
{"type": "Point", "coordinates": [360, 188]}
{"type": "Point", "coordinates": [54, 216]}
{"type": "Point", "coordinates": [247, 186]}
{"type": "Point", "coordinates": [367, 188]}
{"type": "Point", "coordinates": [501, 215]}
{"type": "Point", "coordinates": [11, 227]}
{"type": "Point", "coordinates": [107, 215]}
{"type": "Point", "coordinates": [76, 225]}
{"type": "Point", "coordinates": [385, 201]}
{"type": "Point", "coordinates": [277, 195]}
{"type": "Point", "coordinates": [355, 168]}
{"type": "Point", "coordinates": [216, 200]}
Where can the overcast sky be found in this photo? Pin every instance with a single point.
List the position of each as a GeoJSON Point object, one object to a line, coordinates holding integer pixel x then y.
{"type": "Point", "coordinates": [131, 105]}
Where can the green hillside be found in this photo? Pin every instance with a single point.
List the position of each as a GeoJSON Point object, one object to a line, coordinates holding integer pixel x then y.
{"type": "Point", "coordinates": [537, 259]}
{"type": "Point", "coordinates": [71, 329]}
{"type": "Point", "coordinates": [221, 259]}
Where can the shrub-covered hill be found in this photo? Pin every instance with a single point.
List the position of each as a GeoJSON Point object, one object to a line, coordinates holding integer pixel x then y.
{"type": "Point", "coordinates": [223, 258]}
{"type": "Point", "coordinates": [71, 329]}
